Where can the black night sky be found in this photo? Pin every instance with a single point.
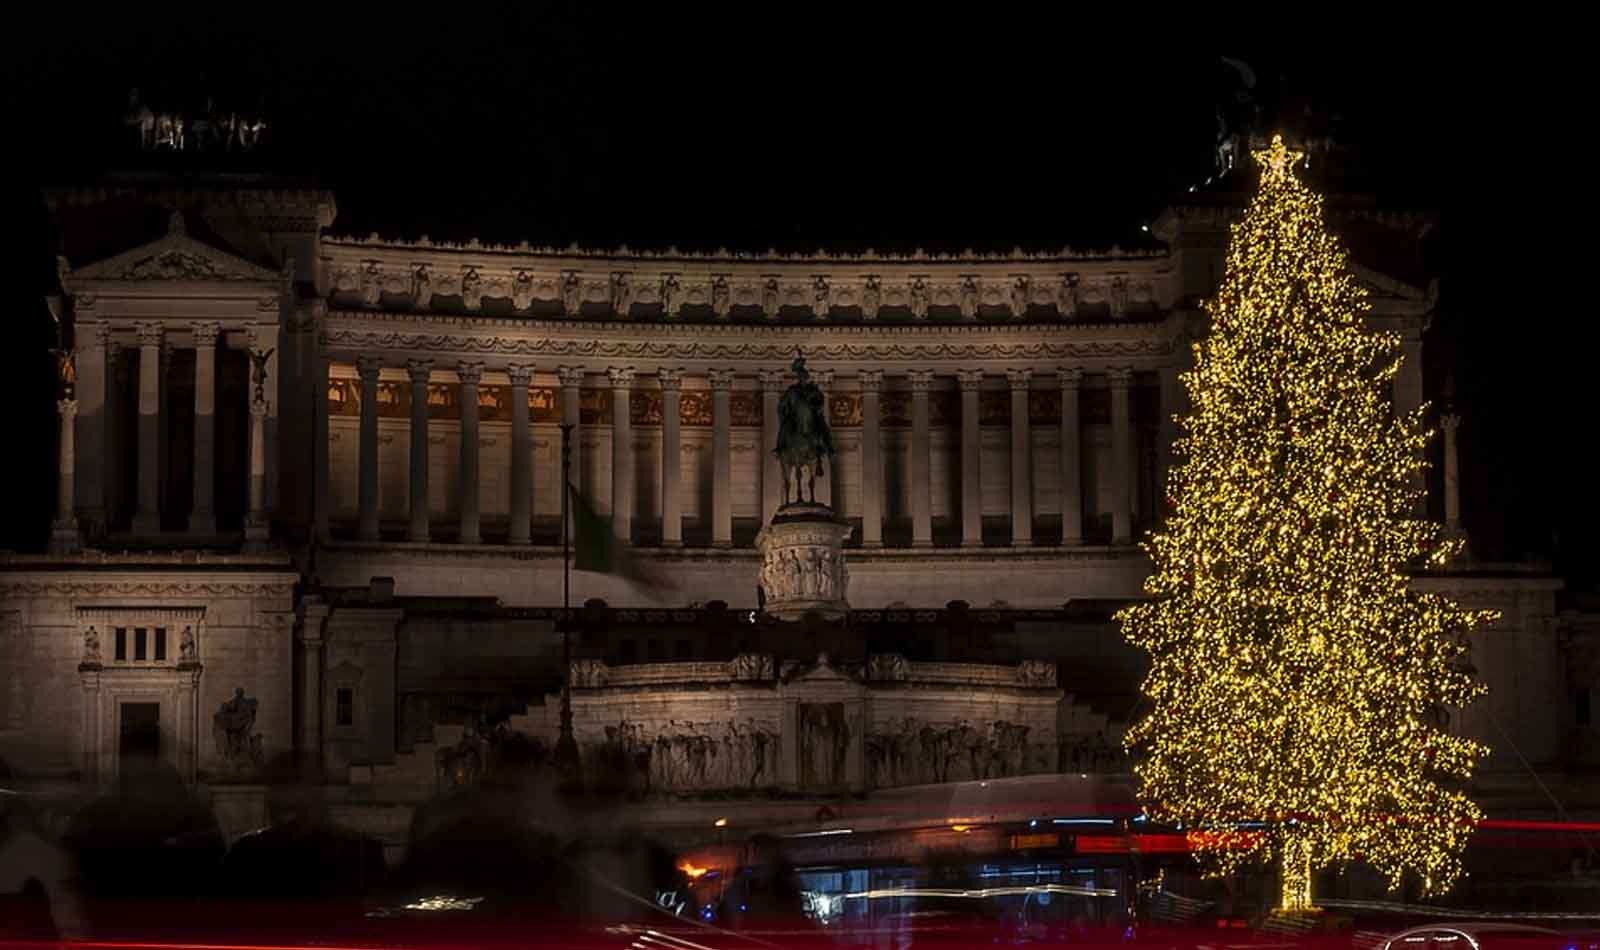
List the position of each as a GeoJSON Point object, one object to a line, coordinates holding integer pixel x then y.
{"type": "Point", "coordinates": [583, 122]}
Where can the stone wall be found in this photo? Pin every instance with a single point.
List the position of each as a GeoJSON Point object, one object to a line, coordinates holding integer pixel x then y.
{"type": "Point", "coordinates": [65, 718]}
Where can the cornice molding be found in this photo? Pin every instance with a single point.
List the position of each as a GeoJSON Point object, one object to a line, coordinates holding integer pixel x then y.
{"type": "Point", "coordinates": [977, 287]}
{"type": "Point", "coordinates": [89, 585]}
{"type": "Point", "coordinates": [358, 332]}
{"type": "Point", "coordinates": [375, 243]}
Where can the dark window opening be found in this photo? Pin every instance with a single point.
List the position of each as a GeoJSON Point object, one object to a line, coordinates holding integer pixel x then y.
{"type": "Point", "coordinates": [656, 649]}
{"type": "Point", "coordinates": [140, 731]}
{"type": "Point", "coordinates": [685, 650]}
{"type": "Point", "coordinates": [122, 644]}
{"type": "Point", "coordinates": [140, 642]}
{"type": "Point", "coordinates": [161, 643]}
{"type": "Point", "coordinates": [344, 713]}
{"type": "Point", "coordinates": [627, 650]}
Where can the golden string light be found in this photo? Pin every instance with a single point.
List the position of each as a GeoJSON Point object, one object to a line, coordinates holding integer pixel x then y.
{"type": "Point", "coordinates": [1294, 672]}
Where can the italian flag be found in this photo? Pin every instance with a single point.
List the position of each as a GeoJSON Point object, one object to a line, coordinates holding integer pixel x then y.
{"type": "Point", "coordinates": [595, 548]}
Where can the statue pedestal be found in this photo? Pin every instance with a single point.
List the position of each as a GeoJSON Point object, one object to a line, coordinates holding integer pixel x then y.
{"type": "Point", "coordinates": [802, 562]}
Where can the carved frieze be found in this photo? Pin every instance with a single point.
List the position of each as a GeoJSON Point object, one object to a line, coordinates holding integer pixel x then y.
{"type": "Point", "coordinates": [803, 567]}
{"type": "Point", "coordinates": [911, 751]}
{"type": "Point", "coordinates": [689, 756]}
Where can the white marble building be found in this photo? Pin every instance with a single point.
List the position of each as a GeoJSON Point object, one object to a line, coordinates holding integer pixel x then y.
{"type": "Point", "coordinates": [364, 538]}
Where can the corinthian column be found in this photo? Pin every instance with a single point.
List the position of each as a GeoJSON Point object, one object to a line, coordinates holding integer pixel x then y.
{"type": "Point", "coordinates": [1121, 456]}
{"type": "Point", "coordinates": [621, 453]}
{"type": "Point", "coordinates": [471, 374]}
{"type": "Point", "coordinates": [64, 533]}
{"type": "Point", "coordinates": [1071, 458]}
{"type": "Point", "coordinates": [421, 372]}
{"type": "Point", "coordinates": [319, 451]}
{"type": "Point", "coordinates": [871, 458]}
{"type": "Point", "coordinates": [203, 519]}
{"type": "Point", "coordinates": [368, 368]}
{"type": "Point", "coordinates": [1021, 459]}
{"type": "Point", "coordinates": [721, 459]}
{"type": "Point", "coordinates": [771, 475]}
{"type": "Point", "coordinates": [521, 462]}
{"type": "Point", "coordinates": [147, 516]}
{"type": "Point", "coordinates": [671, 458]}
{"type": "Point", "coordinates": [921, 452]}
{"type": "Point", "coordinates": [255, 520]}
{"type": "Point", "coordinates": [824, 380]}
{"type": "Point", "coordinates": [1450, 422]}
{"type": "Point", "coordinates": [971, 446]}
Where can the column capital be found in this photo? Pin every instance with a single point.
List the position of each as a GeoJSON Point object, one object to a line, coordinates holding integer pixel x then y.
{"type": "Point", "coordinates": [261, 336]}
{"type": "Point", "coordinates": [671, 379]}
{"type": "Point", "coordinates": [1019, 378]}
{"type": "Point", "coordinates": [471, 373]}
{"type": "Point", "coordinates": [368, 367]}
{"type": "Point", "coordinates": [205, 332]}
{"type": "Point", "coordinates": [151, 334]}
{"type": "Point", "coordinates": [1121, 377]}
{"type": "Point", "coordinates": [1450, 422]}
{"type": "Point", "coordinates": [971, 379]}
{"type": "Point", "coordinates": [520, 374]}
{"type": "Point", "coordinates": [570, 376]}
{"type": "Point", "coordinates": [67, 408]}
{"type": "Point", "coordinates": [421, 371]}
{"type": "Point", "coordinates": [621, 377]}
{"type": "Point", "coordinates": [772, 379]}
{"type": "Point", "coordinates": [99, 336]}
{"type": "Point", "coordinates": [823, 378]}
{"type": "Point", "coordinates": [871, 380]}
{"type": "Point", "coordinates": [258, 408]}
{"type": "Point", "coordinates": [721, 379]}
{"type": "Point", "coordinates": [920, 379]}
{"type": "Point", "coordinates": [1070, 377]}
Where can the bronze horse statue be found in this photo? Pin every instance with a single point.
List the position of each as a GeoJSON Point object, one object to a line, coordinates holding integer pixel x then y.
{"type": "Point", "coordinates": [804, 440]}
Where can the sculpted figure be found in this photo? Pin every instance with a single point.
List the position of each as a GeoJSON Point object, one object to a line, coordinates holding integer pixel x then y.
{"type": "Point", "coordinates": [91, 646]}
{"type": "Point", "coordinates": [720, 296]}
{"type": "Point", "coordinates": [187, 651]}
{"type": "Point", "coordinates": [142, 119]}
{"type": "Point", "coordinates": [804, 438]}
{"type": "Point", "coordinates": [871, 298]}
{"type": "Point", "coordinates": [969, 298]}
{"type": "Point", "coordinates": [919, 298]}
{"type": "Point", "coordinates": [231, 727]}
{"type": "Point", "coordinates": [758, 751]}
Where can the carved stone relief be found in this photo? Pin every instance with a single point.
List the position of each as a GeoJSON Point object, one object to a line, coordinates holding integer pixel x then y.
{"type": "Point", "coordinates": [914, 752]}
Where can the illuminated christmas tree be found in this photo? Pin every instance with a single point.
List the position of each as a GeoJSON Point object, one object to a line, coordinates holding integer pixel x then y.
{"type": "Point", "coordinates": [1296, 679]}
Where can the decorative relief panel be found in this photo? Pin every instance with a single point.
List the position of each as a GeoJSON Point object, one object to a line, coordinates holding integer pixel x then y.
{"type": "Point", "coordinates": [544, 404]}
{"type": "Point", "coordinates": [744, 408]}
{"type": "Point", "coordinates": [916, 752]}
{"type": "Point", "coordinates": [694, 408]}
{"type": "Point", "coordinates": [594, 406]}
{"type": "Point", "coordinates": [844, 410]}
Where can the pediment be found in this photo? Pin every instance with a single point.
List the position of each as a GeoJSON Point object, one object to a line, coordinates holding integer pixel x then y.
{"type": "Point", "coordinates": [822, 671]}
{"type": "Point", "coordinates": [175, 257]}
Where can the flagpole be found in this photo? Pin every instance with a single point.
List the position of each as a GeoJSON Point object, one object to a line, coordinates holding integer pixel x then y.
{"type": "Point", "coordinates": [566, 751]}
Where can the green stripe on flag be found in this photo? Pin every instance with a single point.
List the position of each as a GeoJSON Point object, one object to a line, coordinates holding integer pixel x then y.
{"type": "Point", "coordinates": [594, 546]}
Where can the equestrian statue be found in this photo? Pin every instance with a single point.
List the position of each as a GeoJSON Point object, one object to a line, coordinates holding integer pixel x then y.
{"type": "Point", "coordinates": [804, 441]}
